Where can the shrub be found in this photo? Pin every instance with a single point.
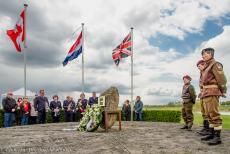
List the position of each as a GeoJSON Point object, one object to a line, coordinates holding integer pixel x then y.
{"type": "Point", "coordinates": [148, 115]}
{"type": "Point", "coordinates": [160, 115]}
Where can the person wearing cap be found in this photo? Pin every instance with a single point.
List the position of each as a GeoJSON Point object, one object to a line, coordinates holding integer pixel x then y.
{"type": "Point", "coordinates": [55, 107]}
{"type": "Point", "coordinates": [213, 87]}
{"type": "Point", "coordinates": [40, 104]}
{"type": "Point", "coordinates": [189, 98]}
{"type": "Point", "coordinates": [205, 130]}
{"type": "Point", "coordinates": [9, 106]}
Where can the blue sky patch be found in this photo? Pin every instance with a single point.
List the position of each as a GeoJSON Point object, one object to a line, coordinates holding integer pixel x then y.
{"type": "Point", "coordinates": [211, 29]}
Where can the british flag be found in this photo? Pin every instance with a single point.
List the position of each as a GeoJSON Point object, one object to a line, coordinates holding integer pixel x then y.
{"type": "Point", "coordinates": [123, 50]}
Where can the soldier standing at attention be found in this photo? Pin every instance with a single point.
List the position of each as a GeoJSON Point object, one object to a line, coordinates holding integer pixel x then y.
{"type": "Point", "coordinates": [205, 130]}
{"type": "Point", "coordinates": [214, 86]}
{"type": "Point", "coordinates": [189, 98]}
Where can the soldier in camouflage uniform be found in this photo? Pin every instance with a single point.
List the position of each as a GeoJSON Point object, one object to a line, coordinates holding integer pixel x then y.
{"type": "Point", "coordinates": [189, 98]}
{"type": "Point", "coordinates": [205, 130]}
{"type": "Point", "coordinates": [213, 86]}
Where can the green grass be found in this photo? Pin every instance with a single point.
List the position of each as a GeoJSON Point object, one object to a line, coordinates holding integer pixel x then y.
{"type": "Point", "coordinates": [198, 120]}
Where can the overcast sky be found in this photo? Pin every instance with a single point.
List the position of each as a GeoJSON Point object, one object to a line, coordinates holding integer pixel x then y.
{"type": "Point", "coordinates": [168, 38]}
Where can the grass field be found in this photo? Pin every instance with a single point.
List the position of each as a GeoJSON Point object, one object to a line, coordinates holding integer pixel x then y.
{"type": "Point", "coordinates": [197, 117]}
{"type": "Point", "coordinates": [199, 120]}
{"type": "Point", "coordinates": [196, 107]}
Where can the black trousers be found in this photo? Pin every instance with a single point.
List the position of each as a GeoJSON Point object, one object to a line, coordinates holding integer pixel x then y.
{"type": "Point", "coordinates": [127, 117]}
{"type": "Point", "coordinates": [69, 116]}
{"type": "Point", "coordinates": [41, 117]}
{"type": "Point", "coordinates": [33, 120]}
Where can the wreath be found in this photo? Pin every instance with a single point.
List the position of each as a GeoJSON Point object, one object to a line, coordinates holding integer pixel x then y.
{"type": "Point", "coordinates": [91, 119]}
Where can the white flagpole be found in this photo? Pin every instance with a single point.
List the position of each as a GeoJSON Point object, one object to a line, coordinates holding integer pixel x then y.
{"type": "Point", "coordinates": [24, 52]}
{"type": "Point", "coordinates": [82, 58]}
{"type": "Point", "coordinates": [132, 74]}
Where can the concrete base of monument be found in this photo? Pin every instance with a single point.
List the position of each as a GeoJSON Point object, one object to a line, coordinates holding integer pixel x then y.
{"type": "Point", "coordinates": [135, 137]}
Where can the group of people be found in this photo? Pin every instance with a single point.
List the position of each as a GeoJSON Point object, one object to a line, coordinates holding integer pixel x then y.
{"type": "Point", "coordinates": [212, 85]}
{"type": "Point", "coordinates": [35, 111]}
{"type": "Point", "coordinates": [138, 107]}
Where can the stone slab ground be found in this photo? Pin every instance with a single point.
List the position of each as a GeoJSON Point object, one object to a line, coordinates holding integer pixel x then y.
{"type": "Point", "coordinates": [135, 137]}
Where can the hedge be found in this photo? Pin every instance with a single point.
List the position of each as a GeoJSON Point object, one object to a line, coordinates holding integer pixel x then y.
{"type": "Point", "coordinates": [162, 115]}
{"type": "Point", "coordinates": [148, 115]}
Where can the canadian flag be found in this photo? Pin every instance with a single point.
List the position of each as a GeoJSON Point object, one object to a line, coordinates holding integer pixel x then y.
{"type": "Point", "coordinates": [17, 35]}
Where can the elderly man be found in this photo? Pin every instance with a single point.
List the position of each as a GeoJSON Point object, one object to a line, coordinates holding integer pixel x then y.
{"type": "Point", "coordinates": [9, 106]}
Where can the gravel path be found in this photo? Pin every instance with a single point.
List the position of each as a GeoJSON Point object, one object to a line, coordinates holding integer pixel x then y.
{"type": "Point", "coordinates": [135, 137]}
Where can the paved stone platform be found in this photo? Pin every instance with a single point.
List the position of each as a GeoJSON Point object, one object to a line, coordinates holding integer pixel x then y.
{"type": "Point", "coordinates": [135, 137]}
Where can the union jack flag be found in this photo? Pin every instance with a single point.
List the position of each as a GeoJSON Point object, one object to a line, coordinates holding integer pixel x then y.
{"type": "Point", "coordinates": [123, 50]}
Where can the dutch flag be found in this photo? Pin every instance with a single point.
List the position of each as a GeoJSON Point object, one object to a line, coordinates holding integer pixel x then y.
{"type": "Point", "coordinates": [75, 50]}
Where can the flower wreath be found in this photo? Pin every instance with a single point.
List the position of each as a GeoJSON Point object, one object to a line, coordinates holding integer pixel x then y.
{"type": "Point", "coordinates": [91, 119]}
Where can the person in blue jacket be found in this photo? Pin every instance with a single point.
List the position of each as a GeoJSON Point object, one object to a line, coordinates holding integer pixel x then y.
{"type": "Point", "coordinates": [55, 107]}
{"type": "Point", "coordinates": [138, 107]}
{"type": "Point", "coordinates": [93, 99]}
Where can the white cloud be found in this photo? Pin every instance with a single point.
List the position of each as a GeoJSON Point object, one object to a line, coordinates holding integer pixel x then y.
{"type": "Point", "coordinates": [157, 73]}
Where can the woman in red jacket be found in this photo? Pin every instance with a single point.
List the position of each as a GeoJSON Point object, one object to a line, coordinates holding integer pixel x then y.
{"type": "Point", "coordinates": [25, 110]}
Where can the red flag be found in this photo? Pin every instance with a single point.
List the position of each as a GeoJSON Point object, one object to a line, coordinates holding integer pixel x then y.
{"type": "Point", "coordinates": [17, 35]}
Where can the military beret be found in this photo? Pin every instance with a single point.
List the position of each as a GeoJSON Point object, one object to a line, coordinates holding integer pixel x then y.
{"type": "Point", "coordinates": [209, 50]}
{"type": "Point", "coordinates": [200, 62]}
{"type": "Point", "coordinates": [187, 77]}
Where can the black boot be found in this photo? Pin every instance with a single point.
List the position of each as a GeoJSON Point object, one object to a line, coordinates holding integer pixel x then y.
{"type": "Point", "coordinates": [184, 127]}
{"type": "Point", "coordinates": [210, 136]}
{"type": "Point", "coordinates": [216, 140]}
{"type": "Point", "coordinates": [205, 130]}
{"type": "Point", "coordinates": [190, 126]}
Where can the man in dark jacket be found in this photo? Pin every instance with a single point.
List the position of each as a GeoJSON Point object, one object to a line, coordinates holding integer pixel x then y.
{"type": "Point", "coordinates": [189, 98]}
{"type": "Point", "coordinates": [9, 106]}
{"type": "Point", "coordinates": [138, 108]}
{"type": "Point", "coordinates": [40, 104]}
{"type": "Point", "coordinates": [93, 99]}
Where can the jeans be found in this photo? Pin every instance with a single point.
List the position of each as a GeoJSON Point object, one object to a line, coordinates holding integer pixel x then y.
{"type": "Point", "coordinates": [24, 120]}
{"type": "Point", "coordinates": [8, 119]}
{"type": "Point", "coordinates": [138, 116]}
{"type": "Point", "coordinates": [41, 117]}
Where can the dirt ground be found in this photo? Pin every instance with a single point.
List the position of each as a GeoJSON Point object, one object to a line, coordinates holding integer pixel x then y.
{"type": "Point", "coordinates": [135, 137]}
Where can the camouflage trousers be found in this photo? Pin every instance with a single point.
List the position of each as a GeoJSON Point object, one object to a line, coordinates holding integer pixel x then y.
{"type": "Point", "coordinates": [187, 113]}
{"type": "Point", "coordinates": [204, 110]}
{"type": "Point", "coordinates": [211, 104]}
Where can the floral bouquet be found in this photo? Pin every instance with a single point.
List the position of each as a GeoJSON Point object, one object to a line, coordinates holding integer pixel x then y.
{"type": "Point", "coordinates": [91, 120]}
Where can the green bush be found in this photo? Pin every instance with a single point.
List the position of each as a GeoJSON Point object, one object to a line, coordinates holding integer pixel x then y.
{"type": "Point", "coordinates": [160, 115]}
{"type": "Point", "coordinates": [148, 115]}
